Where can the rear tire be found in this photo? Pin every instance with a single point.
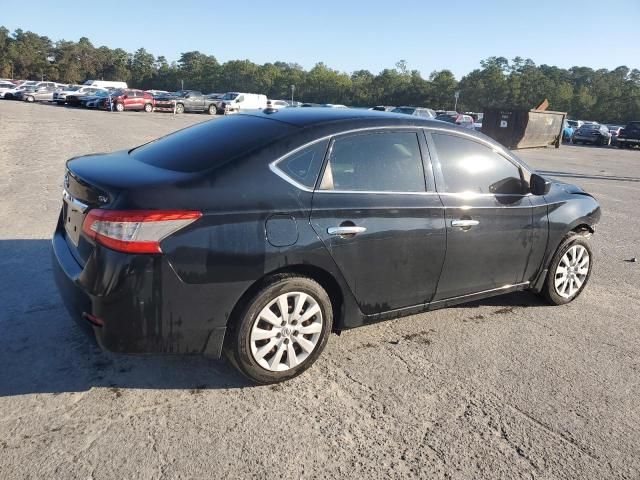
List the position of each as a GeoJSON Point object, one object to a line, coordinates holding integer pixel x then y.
{"type": "Point", "coordinates": [569, 271]}
{"type": "Point", "coordinates": [269, 346]}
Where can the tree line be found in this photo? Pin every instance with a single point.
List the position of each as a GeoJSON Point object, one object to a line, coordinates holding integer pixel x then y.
{"type": "Point", "coordinates": [602, 95]}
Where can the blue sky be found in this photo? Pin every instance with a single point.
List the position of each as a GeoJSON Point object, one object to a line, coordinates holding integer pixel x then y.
{"type": "Point", "coordinates": [353, 35]}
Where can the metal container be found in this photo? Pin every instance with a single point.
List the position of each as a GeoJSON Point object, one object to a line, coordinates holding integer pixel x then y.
{"type": "Point", "coordinates": [519, 128]}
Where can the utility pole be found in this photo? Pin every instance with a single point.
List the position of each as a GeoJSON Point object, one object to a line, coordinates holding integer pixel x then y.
{"type": "Point", "coordinates": [293, 89]}
{"type": "Point", "coordinates": [182, 84]}
{"type": "Point", "coordinates": [456, 95]}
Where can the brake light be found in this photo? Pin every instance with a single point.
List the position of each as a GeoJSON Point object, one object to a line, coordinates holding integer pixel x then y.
{"type": "Point", "coordinates": [135, 231]}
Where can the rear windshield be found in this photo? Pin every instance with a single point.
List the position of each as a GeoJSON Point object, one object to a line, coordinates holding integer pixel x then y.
{"type": "Point", "coordinates": [211, 143]}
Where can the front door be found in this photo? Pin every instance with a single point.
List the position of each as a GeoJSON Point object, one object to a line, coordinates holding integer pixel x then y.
{"type": "Point", "coordinates": [488, 216]}
{"type": "Point", "coordinates": [383, 227]}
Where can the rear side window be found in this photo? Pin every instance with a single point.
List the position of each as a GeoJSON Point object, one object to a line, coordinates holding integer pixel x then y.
{"type": "Point", "coordinates": [303, 166]}
{"type": "Point", "coordinates": [379, 162]}
{"type": "Point", "coordinates": [211, 144]}
{"type": "Point", "coordinates": [471, 167]}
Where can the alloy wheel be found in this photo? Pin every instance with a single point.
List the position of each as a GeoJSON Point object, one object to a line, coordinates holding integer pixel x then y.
{"type": "Point", "coordinates": [572, 271]}
{"type": "Point", "coordinates": [286, 331]}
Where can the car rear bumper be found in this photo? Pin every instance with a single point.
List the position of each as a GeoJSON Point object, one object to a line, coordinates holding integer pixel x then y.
{"type": "Point", "coordinates": [139, 300]}
{"type": "Point", "coordinates": [634, 141]}
{"type": "Point", "coordinates": [590, 138]}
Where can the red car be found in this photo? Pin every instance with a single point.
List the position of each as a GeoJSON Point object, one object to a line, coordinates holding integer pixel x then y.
{"type": "Point", "coordinates": [128, 99]}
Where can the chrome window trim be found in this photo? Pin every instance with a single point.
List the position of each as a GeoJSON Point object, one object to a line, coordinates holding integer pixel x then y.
{"type": "Point", "coordinates": [273, 166]}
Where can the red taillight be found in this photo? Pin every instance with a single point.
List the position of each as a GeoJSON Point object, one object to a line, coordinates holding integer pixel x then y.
{"type": "Point", "coordinates": [135, 231]}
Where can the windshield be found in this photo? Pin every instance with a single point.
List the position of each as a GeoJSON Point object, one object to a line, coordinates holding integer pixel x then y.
{"type": "Point", "coordinates": [590, 126]}
{"type": "Point", "coordinates": [406, 110]}
{"type": "Point", "coordinates": [230, 96]}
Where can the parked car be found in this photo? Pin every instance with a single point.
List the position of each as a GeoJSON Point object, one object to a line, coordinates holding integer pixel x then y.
{"type": "Point", "coordinates": [415, 111]}
{"type": "Point", "coordinates": [128, 99]}
{"type": "Point", "coordinates": [592, 133]}
{"type": "Point", "coordinates": [614, 130]}
{"type": "Point", "coordinates": [234, 102]}
{"type": "Point", "coordinates": [462, 120]}
{"type": "Point", "coordinates": [5, 87]}
{"type": "Point", "coordinates": [11, 93]}
{"type": "Point", "coordinates": [186, 101]}
{"type": "Point", "coordinates": [302, 222]}
{"type": "Point", "coordinates": [89, 98]}
{"type": "Point", "coordinates": [279, 103]}
{"type": "Point", "coordinates": [629, 136]}
{"type": "Point", "coordinates": [42, 92]}
{"type": "Point", "coordinates": [60, 96]}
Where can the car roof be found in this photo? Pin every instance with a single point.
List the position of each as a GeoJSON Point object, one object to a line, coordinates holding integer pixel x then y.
{"type": "Point", "coordinates": [312, 116]}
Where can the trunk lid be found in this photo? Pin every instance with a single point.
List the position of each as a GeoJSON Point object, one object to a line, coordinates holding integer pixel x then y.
{"type": "Point", "coordinates": [97, 181]}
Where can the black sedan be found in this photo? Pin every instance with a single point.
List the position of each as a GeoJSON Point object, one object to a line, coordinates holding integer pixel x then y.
{"type": "Point", "coordinates": [258, 235]}
{"type": "Point", "coordinates": [592, 133]}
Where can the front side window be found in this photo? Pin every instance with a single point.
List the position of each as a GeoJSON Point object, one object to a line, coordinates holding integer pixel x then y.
{"type": "Point", "coordinates": [471, 167]}
{"type": "Point", "coordinates": [379, 162]}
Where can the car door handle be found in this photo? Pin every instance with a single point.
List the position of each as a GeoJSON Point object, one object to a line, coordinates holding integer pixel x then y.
{"type": "Point", "coordinates": [346, 230]}
{"type": "Point", "coordinates": [464, 223]}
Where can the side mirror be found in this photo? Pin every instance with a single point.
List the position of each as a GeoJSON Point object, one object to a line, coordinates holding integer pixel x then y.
{"type": "Point", "coordinates": [539, 185]}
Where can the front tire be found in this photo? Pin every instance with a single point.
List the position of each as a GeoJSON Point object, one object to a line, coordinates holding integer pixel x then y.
{"type": "Point", "coordinates": [119, 107]}
{"type": "Point", "coordinates": [569, 271]}
{"type": "Point", "coordinates": [212, 110]}
{"type": "Point", "coordinates": [281, 330]}
{"type": "Point", "coordinates": [179, 108]}
{"type": "Point", "coordinates": [30, 99]}
{"type": "Point", "coordinates": [148, 107]}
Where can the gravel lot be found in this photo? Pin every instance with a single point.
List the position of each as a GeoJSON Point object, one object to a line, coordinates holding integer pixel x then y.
{"type": "Point", "coordinates": [502, 388]}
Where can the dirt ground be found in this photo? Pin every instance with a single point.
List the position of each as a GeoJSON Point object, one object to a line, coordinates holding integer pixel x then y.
{"type": "Point", "coordinates": [501, 388]}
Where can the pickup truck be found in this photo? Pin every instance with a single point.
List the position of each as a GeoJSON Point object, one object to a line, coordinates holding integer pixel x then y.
{"type": "Point", "coordinates": [629, 136]}
{"type": "Point", "coordinates": [186, 101]}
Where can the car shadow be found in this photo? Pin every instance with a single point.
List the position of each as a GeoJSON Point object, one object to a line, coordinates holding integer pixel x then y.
{"type": "Point", "coordinates": [42, 350]}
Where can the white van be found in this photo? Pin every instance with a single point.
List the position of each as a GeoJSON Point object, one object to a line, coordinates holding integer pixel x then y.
{"type": "Point", "coordinates": [105, 84]}
{"type": "Point", "coordinates": [236, 102]}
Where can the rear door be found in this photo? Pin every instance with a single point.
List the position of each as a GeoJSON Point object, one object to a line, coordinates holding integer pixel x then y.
{"type": "Point", "coordinates": [488, 216]}
{"type": "Point", "coordinates": [379, 217]}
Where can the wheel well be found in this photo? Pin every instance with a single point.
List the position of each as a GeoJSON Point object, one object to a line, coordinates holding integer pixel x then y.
{"type": "Point", "coordinates": [324, 278]}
